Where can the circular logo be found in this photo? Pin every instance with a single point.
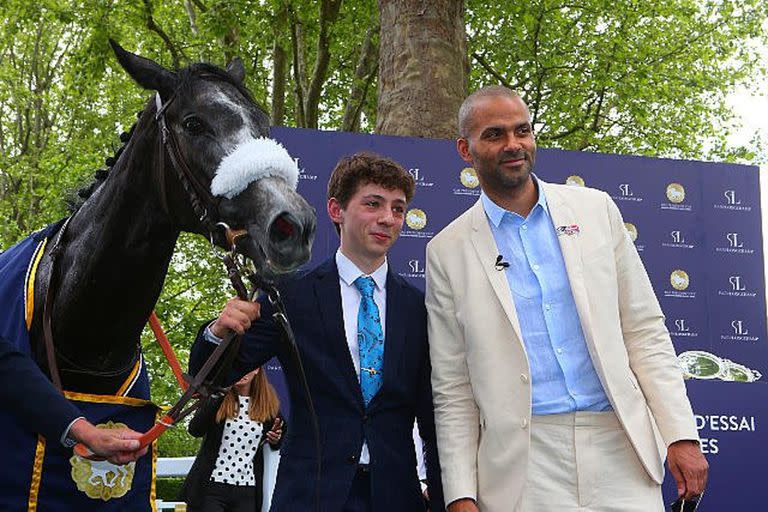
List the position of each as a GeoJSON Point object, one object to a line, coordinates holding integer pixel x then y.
{"type": "Point", "coordinates": [468, 178]}
{"type": "Point", "coordinates": [675, 193]}
{"type": "Point", "coordinates": [575, 181]}
{"type": "Point", "coordinates": [416, 219]}
{"type": "Point", "coordinates": [632, 230]}
{"type": "Point", "coordinates": [679, 280]}
{"type": "Point", "coordinates": [102, 480]}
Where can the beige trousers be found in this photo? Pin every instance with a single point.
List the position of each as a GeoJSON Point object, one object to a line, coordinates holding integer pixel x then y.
{"type": "Point", "coordinates": [584, 462]}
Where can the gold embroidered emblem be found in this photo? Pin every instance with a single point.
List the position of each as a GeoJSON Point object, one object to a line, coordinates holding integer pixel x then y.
{"type": "Point", "coordinates": [102, 479]}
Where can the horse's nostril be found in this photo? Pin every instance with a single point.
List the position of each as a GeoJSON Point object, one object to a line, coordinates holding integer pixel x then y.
{"type": "Point", "coordinates": [283, 228]}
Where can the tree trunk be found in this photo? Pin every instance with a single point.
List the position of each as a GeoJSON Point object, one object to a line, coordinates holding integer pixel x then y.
{"type": "Point", "coordinates": [422, 67]}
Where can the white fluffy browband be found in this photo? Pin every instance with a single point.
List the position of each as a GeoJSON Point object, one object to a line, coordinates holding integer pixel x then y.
{"type": "Point", "coordinates": [251, 161]}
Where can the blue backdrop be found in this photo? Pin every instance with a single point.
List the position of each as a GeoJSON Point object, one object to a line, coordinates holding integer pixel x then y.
{"type": "Point", "coordinates": [697, 228]}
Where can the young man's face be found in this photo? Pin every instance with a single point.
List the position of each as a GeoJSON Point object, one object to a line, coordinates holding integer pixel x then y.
{"type": "Point", "coordinates": [370, 223]}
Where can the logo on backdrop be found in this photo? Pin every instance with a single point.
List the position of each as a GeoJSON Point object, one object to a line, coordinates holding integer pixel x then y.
{"type": "Point", "coordinates": [575, 181]}
{"type": "Point", "coordinates": [416, 221]}
{"type": "Point", "coordinates": [419, 177]}
{"type": "Point", "coordinates": [471, 183]}
{"type": "Point", "coordinates": [731, 200]}
{"type": "Point", "coordinates": [627, 193]}
{"type": "Point", "coordinates": [633, 234]}
{"type": "Point", "coordinates": [739, 330]}
{"type": "Point", "coordinates": [736, 287]}
{"type": "Point", "coordinates": [413, 269]}
{"type": "Point", "coordinates": [303, 174]}
{"type": "Point", "coordinates": [677, 239]}
{"type": "Point", "coordinates": [682, 328]}
{"type": "Point", "coordinates": [734, 242]}
{"type": "Point", "coordinates": [676, 197]}
{"type": "Point", "coordinates": [632, 230]}
{"type": "Point", "coordinates": [680, 281]}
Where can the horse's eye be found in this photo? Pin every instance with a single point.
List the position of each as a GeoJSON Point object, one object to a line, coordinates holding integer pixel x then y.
{"type": "Point", "coordinates": [193, 125]}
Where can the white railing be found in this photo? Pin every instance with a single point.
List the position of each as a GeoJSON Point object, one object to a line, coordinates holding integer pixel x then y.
{"type": "Point", "coordinates": [180, 466]}
{"type": "Point", "coordinates": [173, 466]}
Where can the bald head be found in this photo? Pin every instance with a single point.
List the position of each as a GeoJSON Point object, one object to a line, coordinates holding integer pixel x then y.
{"type": "Point", "coordinates": [466, 111]}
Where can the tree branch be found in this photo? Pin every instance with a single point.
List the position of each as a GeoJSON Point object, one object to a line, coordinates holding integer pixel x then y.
{"type": "Point", "coordinates": [329, 10]}
{"type": "Point", "coordinates": [297, 41]}
{"type": "Point", "coordinates": [176, 54]}
{"type": "Point", "coordinates": [365, 72]}
{"type": "Point", "coordinates": [491, 71]}
{"type": "Point", "coordinates": [192, 16]}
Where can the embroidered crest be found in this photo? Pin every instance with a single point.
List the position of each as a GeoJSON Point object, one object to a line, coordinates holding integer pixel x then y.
{"type": "Point", "coordinates": [570, 230]}
{"type": "Point", "coordinates": [101, 479]}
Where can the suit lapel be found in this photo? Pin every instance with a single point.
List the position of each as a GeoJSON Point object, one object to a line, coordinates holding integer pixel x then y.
{"type": "Point", "coordinates": [328, 297]}
{"type": "Point", "coordinates": [570, 245]}
{"type": "Point", "coordinates": [394, 337]}
{"type": "Point", "coordinates": [485, 247]}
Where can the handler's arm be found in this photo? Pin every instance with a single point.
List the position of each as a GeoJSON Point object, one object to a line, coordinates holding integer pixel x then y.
{"type": "Point", "coordinates": [41, 408]}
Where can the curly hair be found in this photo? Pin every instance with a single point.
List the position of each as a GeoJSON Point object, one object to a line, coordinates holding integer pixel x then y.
{"type": "Point", "coordinates": [363, 168]}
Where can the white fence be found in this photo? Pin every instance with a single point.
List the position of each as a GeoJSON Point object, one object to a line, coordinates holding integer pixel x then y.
{"type": "Point", "coordinates": [179, 466]}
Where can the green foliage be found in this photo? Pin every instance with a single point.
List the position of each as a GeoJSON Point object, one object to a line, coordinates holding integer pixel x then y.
{"type": "Point", "coordinates": [625, 76]}
{"type": "Point", "coordinates": [168, 489]}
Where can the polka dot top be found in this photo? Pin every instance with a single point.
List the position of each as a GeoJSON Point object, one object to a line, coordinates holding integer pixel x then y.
{"type": "Point", "coordinates": [239, 443]}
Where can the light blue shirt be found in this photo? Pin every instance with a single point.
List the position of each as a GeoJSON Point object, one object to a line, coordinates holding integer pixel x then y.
{"type": "Point", "coordinates": [563, 378]}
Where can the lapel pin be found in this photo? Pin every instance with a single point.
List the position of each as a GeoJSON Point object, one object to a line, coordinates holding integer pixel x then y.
{"type": "Point", "coordinates": [570, 230]}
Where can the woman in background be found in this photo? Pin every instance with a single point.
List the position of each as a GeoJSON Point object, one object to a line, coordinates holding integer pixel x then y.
{"type": "Point", "coordinates": [227, 473]}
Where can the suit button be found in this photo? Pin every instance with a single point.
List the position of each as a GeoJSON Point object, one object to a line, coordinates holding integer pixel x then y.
{"type": "Point", "coordinates": [352, 459]}
{"type": "Point", "coordinates": [524, 423]}
{"type": "Point", "coordinates": [524, 378]}
{"type": "Point", "coordinates": [365, 418]}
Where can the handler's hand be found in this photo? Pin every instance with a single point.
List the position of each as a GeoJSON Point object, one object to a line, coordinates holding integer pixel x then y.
{"type": "Point", "coordinates": [689, 467]}
{"type": "Point", "coordinates": [463, 505]}
{"type": "Point", "coordinates": [236, 316]}
{"type": "Point", "coordinates": [118, 446]}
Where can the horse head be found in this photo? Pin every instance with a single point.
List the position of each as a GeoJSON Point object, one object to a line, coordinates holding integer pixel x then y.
{"type": "Point", "coordinates": [217, 140]}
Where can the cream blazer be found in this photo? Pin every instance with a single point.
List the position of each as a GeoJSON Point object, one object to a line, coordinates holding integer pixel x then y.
{"type": "Point", "coordinates": [480, 373]}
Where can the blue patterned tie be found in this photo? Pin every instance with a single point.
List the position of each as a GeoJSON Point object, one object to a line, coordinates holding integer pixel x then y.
{"type": "Point", "coordinates": [370, 339]}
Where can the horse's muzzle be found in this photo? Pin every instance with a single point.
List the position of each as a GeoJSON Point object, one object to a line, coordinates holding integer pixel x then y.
{"type": "Point", "coordinates": [289, 240]}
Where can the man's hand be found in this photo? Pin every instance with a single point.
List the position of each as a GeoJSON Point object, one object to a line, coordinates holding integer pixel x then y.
{"type": "Point", "coordinates": [118, 446]}
{"type": "Point", "coordinates": [463, 505]}
{"type": "Point", "coordinates": [276, 432]}
{"type": "Point", "coordinates": [689, 467]}
{"type": "Point", "coordinates": [236, 316]}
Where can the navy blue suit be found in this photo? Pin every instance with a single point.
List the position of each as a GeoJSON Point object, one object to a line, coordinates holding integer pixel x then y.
{"type": "Point", "coordinates": [313, 303]}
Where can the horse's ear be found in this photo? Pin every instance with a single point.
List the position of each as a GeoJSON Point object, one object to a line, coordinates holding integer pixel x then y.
{"type": "Point", "coordinates": [236, 69]}
{"type": "Point", "coordinates": [145, 72]}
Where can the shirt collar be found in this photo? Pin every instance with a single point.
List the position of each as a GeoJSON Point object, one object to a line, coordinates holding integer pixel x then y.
{"type": "Point", "coordinates": [496, 213]}
{"type": "Point", "coordinates": [348, 271]}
